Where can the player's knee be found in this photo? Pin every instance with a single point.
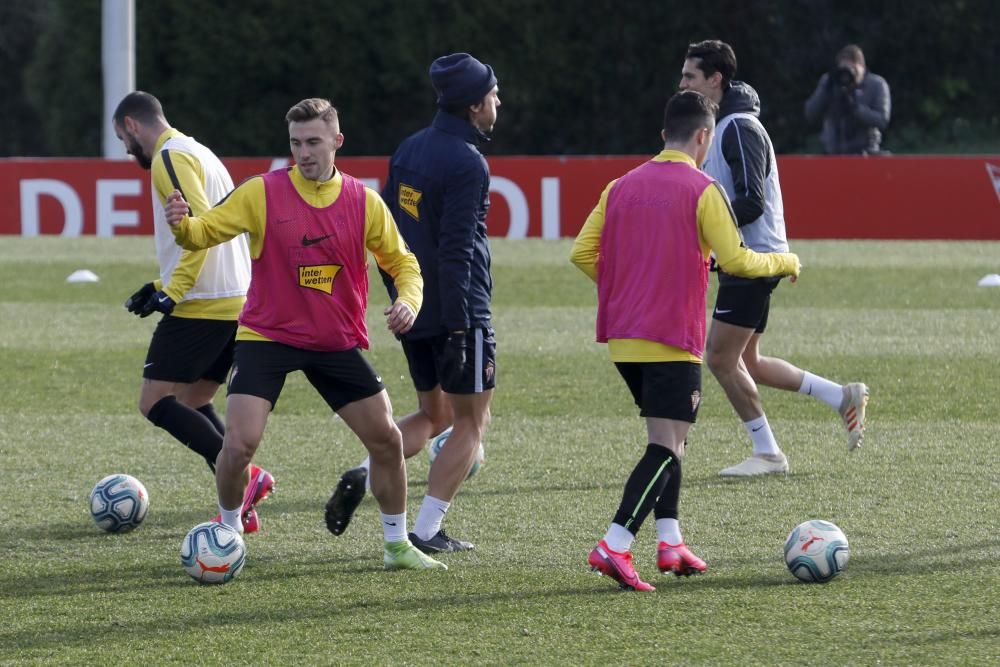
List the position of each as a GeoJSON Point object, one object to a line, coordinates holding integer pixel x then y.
{"type": "Point", "coordinates": [239, 447]}
{"type": "Point", "coordinates": [385, 444]}
{"type": "Point", "coordinates": [715, 362]}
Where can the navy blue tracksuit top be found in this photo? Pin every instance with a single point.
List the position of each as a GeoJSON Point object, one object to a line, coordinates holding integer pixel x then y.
{"type": "Point", "coordinates": [438, 192]}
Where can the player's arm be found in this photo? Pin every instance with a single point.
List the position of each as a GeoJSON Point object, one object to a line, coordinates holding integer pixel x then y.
{"type": "Point", "coordinates": [457, 231]}
{"type": "Point", "coordinates": [244, 210]}
{"type": "Point", "coordinates": [179, 170]}
{"type": "Point", "coordinates": [383, 240]}
{"type": "Point", "coordinates": [745, 150]}
{"type": "Point", "coordinates": [587, 246]}
{"type": "Point", "coordinates": [717, 228]}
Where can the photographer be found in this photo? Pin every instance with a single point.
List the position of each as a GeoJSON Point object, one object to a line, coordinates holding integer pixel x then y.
{"type": "Point", "coordinates": [854, 105]}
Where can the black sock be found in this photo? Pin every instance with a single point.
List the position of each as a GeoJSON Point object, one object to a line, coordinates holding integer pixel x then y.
{"type": "Point", "coordinates": [192, 428]}
{"type": "Point", "coordinates": [209, 411]}
{"type": "Point", "coordinates": [644, 487]}
{"type": "Point", "coordinates": [666, 507]}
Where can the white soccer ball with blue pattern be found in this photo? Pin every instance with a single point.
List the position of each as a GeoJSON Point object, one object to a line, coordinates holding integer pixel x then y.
{"type": "Point", "coordinates": [213, 553]}
{"type": "Point", "coordinates": [816, 551]}
{"type": "Point", "coordinates": [119, 503]}
{"type": "Point", "coordinates": [437, 442]}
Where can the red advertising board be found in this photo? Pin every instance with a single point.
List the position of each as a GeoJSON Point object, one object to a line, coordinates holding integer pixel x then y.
{"type": "Point", "coordinates": [899, 197]}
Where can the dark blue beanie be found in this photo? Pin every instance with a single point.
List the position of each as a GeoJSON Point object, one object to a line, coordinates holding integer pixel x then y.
{"type": "Point", "coordinates": [461, 80]}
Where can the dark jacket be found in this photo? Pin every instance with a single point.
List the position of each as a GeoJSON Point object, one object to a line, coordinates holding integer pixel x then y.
{"type": "Point", "coordinates": [746, 149]}
{"type": "Point", "coordinates": [438, 192]}
{"type": "Point", "coordinates": [853, 119]}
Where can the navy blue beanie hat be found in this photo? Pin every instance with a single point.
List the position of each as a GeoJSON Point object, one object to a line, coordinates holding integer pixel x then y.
{"type": "Point", "coordinates": [461, 80]}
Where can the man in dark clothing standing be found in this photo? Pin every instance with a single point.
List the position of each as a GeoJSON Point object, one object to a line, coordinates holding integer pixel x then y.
{"type": "Point", "coordinates": [438, 192]}
{"type": "Point", "coordinates": [853, 103]}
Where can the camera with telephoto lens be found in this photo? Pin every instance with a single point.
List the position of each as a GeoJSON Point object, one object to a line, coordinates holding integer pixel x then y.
{"type": "Point", "coordinates": [843, 77]}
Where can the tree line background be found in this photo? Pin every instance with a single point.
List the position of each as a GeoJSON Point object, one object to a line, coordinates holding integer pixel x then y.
{"type": "Point", "coordinates": [575, 76]}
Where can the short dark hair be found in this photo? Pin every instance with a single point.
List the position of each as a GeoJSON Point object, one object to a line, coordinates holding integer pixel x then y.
{"type": "Point", "coordinates": [714, 56]}
{"type": "Point", "coordinates": [314, 107]}
{"type": "Point", "coordinates": [853, 53]}
{"type": "Point", "coordinates": [139, 106]}
{"type": "Point", "coordinates": [687, 112]}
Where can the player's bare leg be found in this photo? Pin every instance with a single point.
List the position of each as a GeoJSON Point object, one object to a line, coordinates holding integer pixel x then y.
{"type": "Point", "coordinates": [246, 417]}
{"type": "Point", "coordinates": [770, 371]}
{"type": "Point", "coordinates": [724, 351]}
{"type": "Point", "coordinates": [197, 393]}
{"type": "Point", "coordinates": [451, 467]}
{"type": "Point", "coordinates": [723, 355]}
{"type": "Point", "coordinates": [433, 416]}
{"type": "Point", "coordinates": [371, 420]}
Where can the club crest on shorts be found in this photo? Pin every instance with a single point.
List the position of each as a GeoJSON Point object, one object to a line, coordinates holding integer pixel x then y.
{"type": "Point", "coordinates": [695, 400]}
{"type": "Point", "coordinates": [489, 371]}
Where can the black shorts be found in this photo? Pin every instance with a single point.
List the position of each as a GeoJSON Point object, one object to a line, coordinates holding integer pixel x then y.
{"type": "Point", "coordinates": [664, 389]}
{"type": "Point", "coordinates": [744, 303]}
{"type": "Point", "coordinates": [339, 377]}
{"type": "Point", "coordinates": [185, 349]}
{"type": "Point", "coordinates": [424, 359]}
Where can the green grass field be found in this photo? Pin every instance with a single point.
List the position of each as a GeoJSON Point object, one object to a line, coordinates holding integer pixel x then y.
{"type": "Point", "coordinates": [919, 502]}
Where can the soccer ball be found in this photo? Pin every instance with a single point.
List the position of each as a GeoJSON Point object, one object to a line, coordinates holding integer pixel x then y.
{"type": "Point", "coordinates": [119, 503]}
{"type": "Point", "coordinates": [437, 442]}
{"type": "Point", "coordinates": [213, 553]}
{"type": "Point", "coordinates": [816, 551]}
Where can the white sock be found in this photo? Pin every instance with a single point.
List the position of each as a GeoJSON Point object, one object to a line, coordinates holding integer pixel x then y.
{"type": "Point", "coordinates": [760, 434]}
{"type": "Point", "coordinates": [429, 519]}
{"type": "Point", "coordinates": [394, 527]}
{"type": "Point", "coordinates": [618, 538]}
{"type": "Point", "coordinates": [232, 518]}
{"type": "Point", "coordinates": [669, 531]}
{"type": "Point", "coordinates": [830, 393]}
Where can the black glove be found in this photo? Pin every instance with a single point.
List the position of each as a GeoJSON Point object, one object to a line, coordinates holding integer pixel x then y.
{"type": "Point", "coordinates": [453, 357]}
{"type": "Point", "coordinates": [135, 302]}
{"type": "Point", "coordinates": [158, 301]}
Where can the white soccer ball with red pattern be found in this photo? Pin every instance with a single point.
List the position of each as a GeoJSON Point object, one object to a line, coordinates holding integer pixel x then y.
{"type": "Point", "coordinates": [213, 553]}
{"type": "Point", "coordinates": [816, 551]}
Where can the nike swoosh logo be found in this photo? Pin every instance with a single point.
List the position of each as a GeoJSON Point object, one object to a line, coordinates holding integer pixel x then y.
{"type": "Point", "coordinates": [148, 365]}
{"type": "Point", "coordinates": [164, 299]}
{"type": "Point", "coordinates": [723, 312]}
{"type": "Point", "coordinates": [306, 241]}
{"type": "Point", "coordinates": [756, 429]}
{"type": "Point", "coordinates": [388, 523]}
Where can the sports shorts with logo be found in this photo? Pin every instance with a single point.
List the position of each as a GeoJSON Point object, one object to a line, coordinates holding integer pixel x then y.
{"type": "Point", "coordinates": [664, 389]}
{"type": "Point", "coordinates": [744, 302]}
{"type": "Point", "coordinates": [186, 349]}
{"type": "Point", "coordinates": [340, 378]}
{"type": "Point", "coordinates": [478, 375]}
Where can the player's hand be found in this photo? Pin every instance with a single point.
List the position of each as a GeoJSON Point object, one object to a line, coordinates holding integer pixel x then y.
{"type": "Point", "coordinates": [794, 276]}
{"type": "Point", "coordinates": [135, 302]}
{"type": "Point", "coordinates": [399, 317]}
{"type": "Point", "coordinates": [176, 208]}
{"type": "Point", "coordinates": [157, 302]}
{"type": "Point", "coordinates": [453, 356]}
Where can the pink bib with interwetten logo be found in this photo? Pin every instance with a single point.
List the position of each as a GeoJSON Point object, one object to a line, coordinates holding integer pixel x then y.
{"type": "Point", "coordinates": [309, 287]}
